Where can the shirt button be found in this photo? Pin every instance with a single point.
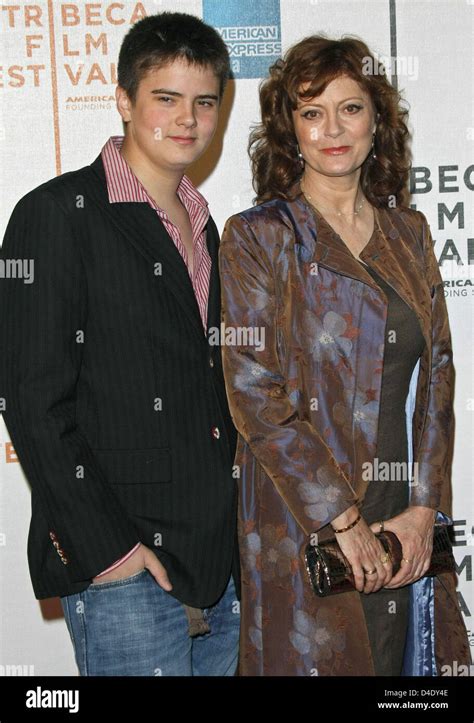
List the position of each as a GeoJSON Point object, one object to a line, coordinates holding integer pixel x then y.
{"type": "Point", "coordinates": [215, 432]}
{"type": "Point", "coordinates": [52, 535]}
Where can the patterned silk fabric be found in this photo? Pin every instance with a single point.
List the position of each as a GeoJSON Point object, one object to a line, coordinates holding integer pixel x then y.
{"type": "Point", "coordinates": [306, 409]}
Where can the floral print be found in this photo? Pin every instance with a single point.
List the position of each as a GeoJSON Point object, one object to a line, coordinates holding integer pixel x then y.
{"type": "Point", "coordinates": [357, 415]}
{"type": "Point", "coordinates": [314, 636]}
{"type": "Point", "coordinates": [279, 557]}
{"type": "Point", "coordinates": [327, 481]}
{"type": "Point", "coordinates": [326, 338]}
{"type": "Point", "coordinates": [306, 409]}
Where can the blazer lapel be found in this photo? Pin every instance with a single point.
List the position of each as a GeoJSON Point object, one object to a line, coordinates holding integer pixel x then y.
{"type": "Point", "coordinates": [144, 229]}
{"type": "Point", "coordinates": [214, 303]}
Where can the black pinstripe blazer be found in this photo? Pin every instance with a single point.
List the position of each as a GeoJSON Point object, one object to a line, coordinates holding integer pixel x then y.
{"type": "Point", "coordinates": [114, 399]}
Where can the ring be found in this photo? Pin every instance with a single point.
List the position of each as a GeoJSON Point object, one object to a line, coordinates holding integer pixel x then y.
{"type": "Point", "coordinates": [385, 558]}
{"type": "Point", "coordinates": [370, 572]}
{"type": "Point", "coordinates": [405, 560]}
{"type": "Point", "coordinates": [381, 526]}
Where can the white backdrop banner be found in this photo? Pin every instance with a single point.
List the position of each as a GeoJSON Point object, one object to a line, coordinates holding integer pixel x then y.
{"type": "Point", "coordinates": [57, 80]}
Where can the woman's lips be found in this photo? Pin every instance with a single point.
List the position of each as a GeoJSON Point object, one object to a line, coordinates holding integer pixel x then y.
{"type": "Point", "coordinates": [336, 151]}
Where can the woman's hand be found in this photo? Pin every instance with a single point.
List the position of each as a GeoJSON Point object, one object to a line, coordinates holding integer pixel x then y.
{"type": "Point", "coordinates": [363, 551]}
{"type": "Point", "coordinates": [414, 529]}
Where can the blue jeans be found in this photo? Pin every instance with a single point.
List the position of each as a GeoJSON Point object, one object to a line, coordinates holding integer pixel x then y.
{"type": "Point", "coordinates": [134, 627]}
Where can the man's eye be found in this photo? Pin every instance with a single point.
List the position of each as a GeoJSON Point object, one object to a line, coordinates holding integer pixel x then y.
{"type": "Point", "coordinates": [164, 98]}
{"type": "Point", "coordinates": [207, 103]}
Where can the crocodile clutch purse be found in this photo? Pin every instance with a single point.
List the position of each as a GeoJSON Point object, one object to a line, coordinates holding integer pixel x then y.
{"type": "Point", "coordinates": [330, 572]}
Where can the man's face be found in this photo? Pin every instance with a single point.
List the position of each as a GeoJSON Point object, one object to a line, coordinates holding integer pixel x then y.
{"type": "Point", "coordinates": [174, 116]}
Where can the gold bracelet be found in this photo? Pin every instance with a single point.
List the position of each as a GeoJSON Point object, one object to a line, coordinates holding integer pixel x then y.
{"type": "Point", "coordinates": [353, 524]}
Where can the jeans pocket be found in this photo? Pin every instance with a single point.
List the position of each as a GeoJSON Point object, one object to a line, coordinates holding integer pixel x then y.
{"type": "Point", "coordinates": [130, 579]}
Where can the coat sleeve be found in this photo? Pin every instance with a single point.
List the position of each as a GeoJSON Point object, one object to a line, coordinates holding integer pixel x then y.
{"type": "Point", "coordinates": [436, 445]}
{"type": "Point", "coordinates": [41, 361]}
{"type": "Point", "coordinates": [290, 450]}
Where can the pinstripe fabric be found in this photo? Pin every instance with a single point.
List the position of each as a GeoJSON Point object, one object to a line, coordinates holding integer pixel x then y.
{"type": "Point", "coordinates": [117, 563]}
{"type": "Point", "coordinates": [123, 185]}
{"type": "Point", "coordinates": [113, 394]}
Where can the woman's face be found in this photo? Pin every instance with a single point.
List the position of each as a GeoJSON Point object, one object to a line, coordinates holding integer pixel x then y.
{"type": "Point", "coordinates": [334, 130]}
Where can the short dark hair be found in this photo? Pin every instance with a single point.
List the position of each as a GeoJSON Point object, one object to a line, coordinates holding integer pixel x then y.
{"type": "Point", "coordinates": [165, 37]}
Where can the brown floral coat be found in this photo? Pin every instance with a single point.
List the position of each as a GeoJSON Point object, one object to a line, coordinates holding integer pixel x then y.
{"type": "Point", "coordinates": [306, 409]}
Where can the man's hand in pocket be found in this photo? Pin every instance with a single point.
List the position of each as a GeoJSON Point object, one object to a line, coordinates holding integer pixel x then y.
{"type": "Point", "coordinates": [142, 558]}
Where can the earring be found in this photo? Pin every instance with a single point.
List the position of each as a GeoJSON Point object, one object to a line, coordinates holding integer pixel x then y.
{"type": "Point", "coordinates": [374, 155]}
{"type": "Point", "coordinates": [300, 156]}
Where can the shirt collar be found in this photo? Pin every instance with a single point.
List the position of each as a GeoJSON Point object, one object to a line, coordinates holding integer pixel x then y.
{"type": "Point", "coordinates": [124, 186]}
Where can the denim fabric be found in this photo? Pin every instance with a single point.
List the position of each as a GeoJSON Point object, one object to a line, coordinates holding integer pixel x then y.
{"type": "Point", "coordinates": [134, 627]}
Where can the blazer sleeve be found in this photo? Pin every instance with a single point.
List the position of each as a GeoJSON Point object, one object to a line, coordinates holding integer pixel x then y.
{"type": "Point", "coordinates": [437, 437]}
{"type": "Point", "coordinates": [41, 362]}
{"type": "Point", "coordinates": [291, 450]}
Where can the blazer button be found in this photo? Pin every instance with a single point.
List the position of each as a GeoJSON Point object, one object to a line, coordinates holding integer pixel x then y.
{"type": "Point", "coordinates": [215, 432]}
{"type": "Point", "coordinates": [211, 362]}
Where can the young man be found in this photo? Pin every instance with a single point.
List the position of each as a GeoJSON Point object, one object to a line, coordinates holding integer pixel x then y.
{"type": "Point", "coordinates": [115, 401]}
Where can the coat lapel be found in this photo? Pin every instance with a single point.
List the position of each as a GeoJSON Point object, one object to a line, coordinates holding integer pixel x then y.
{"type": "Point", "coordinates": [391, 254]}
{"type": "Point", "coordinates": [385, 252]}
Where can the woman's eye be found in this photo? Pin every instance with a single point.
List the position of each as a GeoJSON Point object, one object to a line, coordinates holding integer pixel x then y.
{"type": "Point", "coordinates": [354, 108]}
{"type": "Point", "coordinates": [310, 114]}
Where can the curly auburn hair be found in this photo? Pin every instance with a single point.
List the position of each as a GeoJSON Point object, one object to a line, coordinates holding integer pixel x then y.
{"type": "Point", "coordinates": [318, 60]}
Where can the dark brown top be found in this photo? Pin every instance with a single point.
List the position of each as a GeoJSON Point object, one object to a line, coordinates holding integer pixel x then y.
{"type": "Point", "coordinates": [404, 344]}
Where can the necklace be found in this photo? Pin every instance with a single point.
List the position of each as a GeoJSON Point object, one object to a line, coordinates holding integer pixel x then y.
{"type": "Point", "coordinates": [338, 213]}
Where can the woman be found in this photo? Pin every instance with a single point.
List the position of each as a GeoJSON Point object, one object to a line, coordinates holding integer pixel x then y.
{"type": "Point", "coordinates": [339, 278]}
